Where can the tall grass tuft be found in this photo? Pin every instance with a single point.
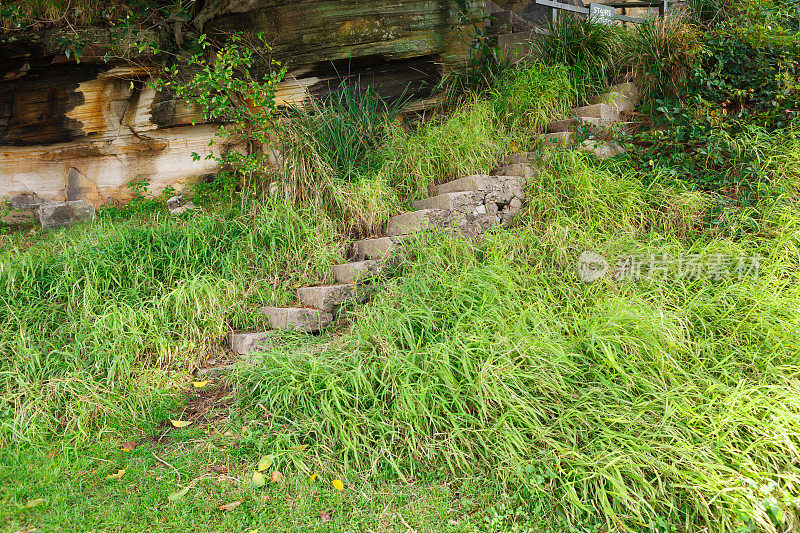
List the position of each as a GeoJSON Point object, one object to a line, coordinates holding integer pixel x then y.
{"type": "Point", "coordinates": [661, 53]}
{"type": "Point", "coordinates": [469, 140]}
{"type": "Point", "coordinates": [527, 97]}
{"type": "Point", "coordinates": [329, 152]}
{"type": "Point", "coordinates": [590, 50]}
{"type": "Point", "coordinates": [83, 319]}
{"type": "Point", "coordinates": [624, 403]}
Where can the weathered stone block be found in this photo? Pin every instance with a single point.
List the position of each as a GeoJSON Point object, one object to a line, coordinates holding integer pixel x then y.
{"type": "Point", "coordinates": [523, 170]}
{"type": "Point", "coordinates": [571, 124]}
{"type": "Point", "coordinates": [555, 140]}
{"type": "Point", "coordinates": [358, 271]}
{"type": "Point", "coordinates": [414, 221]}
{"type": "Point", "coordinates": [608, 114]}
{"type": "Point", "coordinates": [249, 343]}
{"type": "Point", "coordinates": [374, 248]}
{"type": "Point", "coordinates": [327, 297]}
{"type": "Point", "coordinates": [21, 208]}
{"type": "Point", "coordinates": [53, 215]}
{"type": "Point", "coordinates": [297, 318]}
{"type": "Point", "coordinates": [448, 200]}
{"type": "Point", "coordinates": [601, 149]}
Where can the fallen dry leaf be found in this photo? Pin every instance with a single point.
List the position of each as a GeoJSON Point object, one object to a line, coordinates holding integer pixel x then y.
{"type": "Point", "coordinates": [325, 516]}
{"type": "Point", "coordinates": [229, 506]}
{"type": "Point", "coordinates": [337, 484]}
{"type": "Point", "coordinates": [52, 454]}
{"type": "Point", "coordinates": [118, 475]}
{"type": "Point", "coordinates": [199, 384]}
{"type": "Point", "coordinates": [276, 477]}
{"type": "Point", "coordinates": [258, 479]}
{"type": "Point", "coordinates": [35, 503]}
{"type": "Point", "coordinates": [312, 478]}
{"type": "Point", "coordinates": [179, 423]}
{"type": "Point", "coordinates": [219, 469]}
{"type": "Point", "coordinates": [128, 446]}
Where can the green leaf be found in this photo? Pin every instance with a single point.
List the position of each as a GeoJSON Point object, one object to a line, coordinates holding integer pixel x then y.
{"type": "Point", "coordinates": [258, 479]}
{"type": "Point", "coordinates": [265, 462]}
{"type": "Point", "coordinates": [177, 495]}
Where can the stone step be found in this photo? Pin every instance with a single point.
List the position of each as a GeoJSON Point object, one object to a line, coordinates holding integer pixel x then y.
{"type": "Point", "coordinates": [553, 140]}
{"type": "Point", "coordinates": [374, 248]}
{"type": "Point", "coordinates": [517, 170]}
{"type": "Point", "coordinates": [358, 271]}
{"type": "Point", "coordinates": [623, 96]}
{"type": "Point", "coordinates": [297, 318]}
{"type": "Point", "coordinates": [571, 124]}
{"type": "Point", "coordinates": [446, 201]}
{"type": "Point", "coordinates": [249, 343]}
{"type": "Point", "coordinates": [414, 221]}
{"type": "Point", "coordinates": [479, 182]}
{"type": "Point", "coordinates": [326, 297]}
{"type": "Point", "coordinates": [608, 114]}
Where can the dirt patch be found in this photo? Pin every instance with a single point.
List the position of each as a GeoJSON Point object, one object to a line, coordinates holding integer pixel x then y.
{"type": "Point", "coordinates": [208, 407]}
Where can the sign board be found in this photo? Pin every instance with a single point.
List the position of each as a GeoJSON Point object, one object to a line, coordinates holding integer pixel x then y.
{"type": "Point", "coordinates": [602, 13]}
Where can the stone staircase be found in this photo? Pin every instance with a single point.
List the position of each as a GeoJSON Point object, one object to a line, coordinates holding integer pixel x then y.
{"type": "Point", "coordinates": [470, 205]}
{"type": "Point", "coordinates": [609, 108]}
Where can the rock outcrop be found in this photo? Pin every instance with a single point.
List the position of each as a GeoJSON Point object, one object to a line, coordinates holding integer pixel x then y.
{"type": "Point", "coordinates": [86, 130]}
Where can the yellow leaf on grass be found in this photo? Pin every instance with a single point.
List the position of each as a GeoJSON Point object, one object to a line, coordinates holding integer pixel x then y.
{"type": "Point", "coordinates": [178, 494]}
{"type": "Point", "coordinates": [265, 462]}
{"type": "Point", "coordinates": [253, 531]}
{"type": "Point", "coordinates": [179, 423]}
{"type": "Point", "coordinates": [312, 478]}
{"type": "Point", "coordinates": [35, 503]}
{"type": "Point", "coordinates": [258, 479]}
{"type": "Point", "coordinates": [199, 384]}
{"type": "Point", "coordinates": [119, 474]}
{"type": "Point", "coordinates": [337, 484]}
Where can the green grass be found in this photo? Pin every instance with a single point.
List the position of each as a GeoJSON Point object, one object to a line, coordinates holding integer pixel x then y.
{"type": "Point", "coordinates": [589, 50]}
{"type": "Point", "coordinates": [78, 494]}
{"type": "Point", "coordinates": [85, 313]}
{"type": "Point", "coordinates": [482, 371]}
{"type": "Point", "coordinates": [623, 403]}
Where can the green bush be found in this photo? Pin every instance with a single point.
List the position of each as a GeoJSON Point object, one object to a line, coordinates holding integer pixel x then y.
{"type": "Point", "coordinates": [751, 70]}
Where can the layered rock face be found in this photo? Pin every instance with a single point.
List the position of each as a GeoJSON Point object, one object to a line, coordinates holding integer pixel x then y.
{"type": "Point", "coordinates": [86, 130]}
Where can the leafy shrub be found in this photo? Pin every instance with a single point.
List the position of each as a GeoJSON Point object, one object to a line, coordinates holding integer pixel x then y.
{"type": "Point", "coordinates": [700, 145]}
{"type": "Point", "coordinates": [751, 70]}
{"type": "Point", "coordinates": [227, 89]}
{"type": "Point", "coordinates": [589, 49]}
